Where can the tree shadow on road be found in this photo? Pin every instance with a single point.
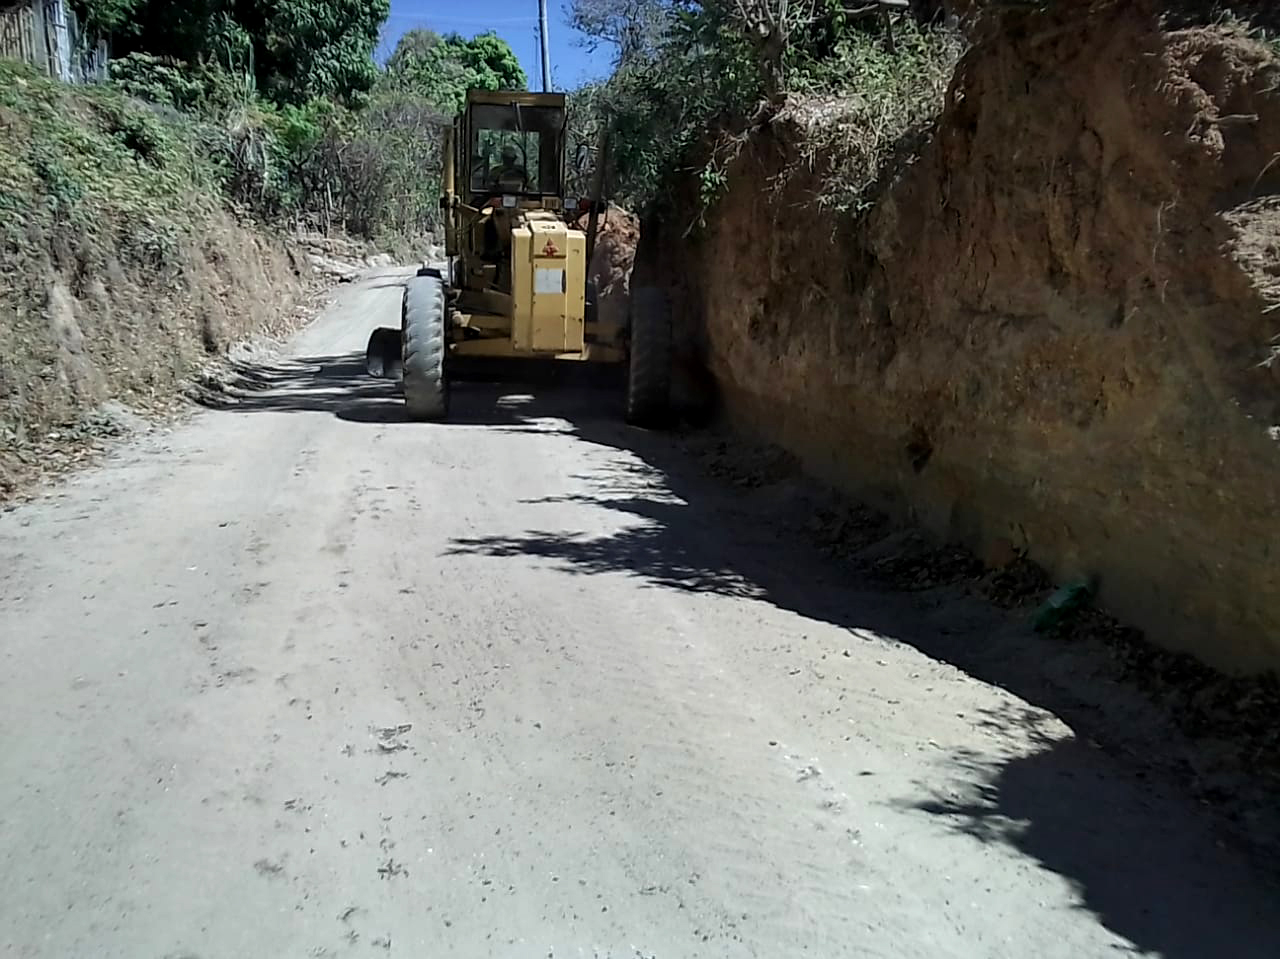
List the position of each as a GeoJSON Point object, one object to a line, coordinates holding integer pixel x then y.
{"type": "Point", "coordinates": [1139, 860]}
{"type": "Point", "coordinates": [648, 551]}
{"type": "Point", "coordinates": [335, 384]}
{"type": "Point", "coordinates": [1147, 866]}
{"type": "Point", "coordinates": [340, 385]}
{"type": "Point", "coordinates": [1144, 860]}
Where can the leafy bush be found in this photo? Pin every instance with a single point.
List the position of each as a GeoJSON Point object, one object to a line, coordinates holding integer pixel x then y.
{"type": "Point", "coordinates": [138, 130]}
{"type": "Point", "coordinates": [586, 117]}
{"type": "Point", "coordinates": [104, 17]}
{"type": "Point", "coordinates": [62, 188]}
{"type": "Point", "coordinates": [695, 78]}
{"type": "Point", "coordinates": [295, 50]}
{"type": "Point", "coordinates": [373, 172]}
{"type": "Point", "coordinates": [663, 104]}
{"type": "Point", "coordinates": [869, 107]}
{"type": "Point", "coordinates": [156, 80]}
{"type": "Point", "coordinates": [442, 69]}
{"type": "Point", "coordinates": [89, 163]}
{"type": "Point", "coordinates": [361, 153]}
{"type": "Point", "coordinates": [244, 147]}
{"type": "Point", "coordinates": [399, 135]}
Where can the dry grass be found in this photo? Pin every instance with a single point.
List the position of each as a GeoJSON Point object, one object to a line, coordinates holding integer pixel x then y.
{"type": "Point", "coordinates": [120, 268]}
{"type": "Point", "coordinates": [874, 110]}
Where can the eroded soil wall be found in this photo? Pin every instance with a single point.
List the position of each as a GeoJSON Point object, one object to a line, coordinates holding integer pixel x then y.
{"type": "Point", "coordinates": [1052, 333]}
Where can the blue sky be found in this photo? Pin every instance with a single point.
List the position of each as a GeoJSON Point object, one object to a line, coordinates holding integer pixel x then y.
{"type": "Point", "coordinates": [516, 21]}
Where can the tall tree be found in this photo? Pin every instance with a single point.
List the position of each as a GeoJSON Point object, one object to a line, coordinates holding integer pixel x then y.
{"type": "Point", "coordinates": [105, 17]}
{"type": "Point", "coordinates": [634, 28]}
{"type": "Point", "coordinates": [442, 69]}
{"type": "Point", "coordinates": [296, 50]}
{"type": "Point", "coordinates": [305, 49]}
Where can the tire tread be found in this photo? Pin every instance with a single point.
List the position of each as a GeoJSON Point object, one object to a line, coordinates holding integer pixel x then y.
{"type": "Point", "coordinates": [649, 375]}
{"type": "Point", "coordinates": [425, 338]}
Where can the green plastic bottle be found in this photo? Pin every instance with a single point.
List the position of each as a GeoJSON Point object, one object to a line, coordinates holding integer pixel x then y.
{"type": "Point", "coordinates": [1064, 601]}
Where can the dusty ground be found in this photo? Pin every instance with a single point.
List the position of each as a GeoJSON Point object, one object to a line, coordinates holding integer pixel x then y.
{"type": "Point", "coordinates": [303, 679]}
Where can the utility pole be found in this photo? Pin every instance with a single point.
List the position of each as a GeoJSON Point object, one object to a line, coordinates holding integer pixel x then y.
{"type": "Point", "coordinates": [546, 46]}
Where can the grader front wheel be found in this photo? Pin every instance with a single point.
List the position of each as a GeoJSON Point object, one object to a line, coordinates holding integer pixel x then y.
{"type": "Point", "coordinates": [424, 319]}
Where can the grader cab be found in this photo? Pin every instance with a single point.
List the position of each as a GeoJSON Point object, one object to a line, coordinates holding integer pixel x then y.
{"type": "Point", "coordinates": [515, 284]}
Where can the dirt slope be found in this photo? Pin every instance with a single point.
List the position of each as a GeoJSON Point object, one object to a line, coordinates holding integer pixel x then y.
{"type": "Point", "coordinates": [1054, 334]}
{"type": "Point", "coordinates": [120, 267]}
{"type": "Point", "coordinates": [303, 679]}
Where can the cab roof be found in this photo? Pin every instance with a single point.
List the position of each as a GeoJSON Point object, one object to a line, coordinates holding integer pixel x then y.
{"type": "Point", "coordinates": [523, 97]}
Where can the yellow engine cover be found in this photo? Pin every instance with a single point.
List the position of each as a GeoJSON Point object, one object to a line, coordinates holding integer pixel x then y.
{"type": "Point", "coordinates": [548, 284]}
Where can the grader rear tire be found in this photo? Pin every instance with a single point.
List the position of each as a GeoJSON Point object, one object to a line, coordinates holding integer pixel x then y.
{"type": "Point", "coordinates": [423, 327]}
{"type": "Point", "coordinates": [649, 373]}
{"type": "Point", "coordinates": [591, 304]}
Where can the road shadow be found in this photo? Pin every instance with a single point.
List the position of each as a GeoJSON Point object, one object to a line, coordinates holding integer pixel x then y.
{"type": "Point", "coordinates": [1142, 858]}
{"type": "Point", "coordinates": [315, 384]}
{"type": "Point", "coordinates": [649, 552]}
{"type": "Point", "coordinates": [1137, 859]}
{"type": "Point", "coordinates": [1145, 863]}
{"type": "Point", "coordinates": [340, 385]}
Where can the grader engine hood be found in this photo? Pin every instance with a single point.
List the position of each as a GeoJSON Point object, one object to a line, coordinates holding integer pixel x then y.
{"type": "Point", "coordinates": [548, 270]}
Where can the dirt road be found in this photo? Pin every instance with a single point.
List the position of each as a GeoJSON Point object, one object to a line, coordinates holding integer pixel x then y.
{"type": "Point", "coordinates": [302, 679]}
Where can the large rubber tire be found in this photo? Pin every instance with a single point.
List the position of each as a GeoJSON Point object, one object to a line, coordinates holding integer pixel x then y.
{"type": "Point", "coordinates": [425, 335]}
{"type": "Point", "coordinates": [649, 367]}
{"type": "Point", "coordinates": [591, 303]}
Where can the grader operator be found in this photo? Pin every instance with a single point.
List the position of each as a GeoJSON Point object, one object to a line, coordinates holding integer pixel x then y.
{"type": "Point", "coordinates": [510, 176]}
{"type": "Point", "coordinates": [516, 282]}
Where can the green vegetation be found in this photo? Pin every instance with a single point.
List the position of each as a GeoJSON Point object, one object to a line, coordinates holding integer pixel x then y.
{"type": "Point", "coordinates": [294, 122]}
{"type": "Point", "coordinates": [91, 164]}
{"type": "Point", "coordinates": [303, 127]}
{"type": "Point", "coordinates": [98, 193]}
{"type": "Point", "coordinates": [871, 110]}
{"type": "Point", "coordinates": [693, 78]}
{"type": "Point", "coordinates": [442, 69]}
{"type": "Point", "coordinates": [292, 119]}
{"type": "Point", "coordinates": [296, 50]}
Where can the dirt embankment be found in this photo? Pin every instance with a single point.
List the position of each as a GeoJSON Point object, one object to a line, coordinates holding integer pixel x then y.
{"type": "Point", "coordinates": [1054, 335]}
{"type": "Point", "coordinates": [84, 325]}
{"type": "Point", "coordinates": [121, 268]}
{"type": "Point", "coordinates": [618, 233]}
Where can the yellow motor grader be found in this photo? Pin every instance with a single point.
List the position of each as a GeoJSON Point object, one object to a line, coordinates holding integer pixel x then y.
{"type": "Point", "coordinates": [515, 285]}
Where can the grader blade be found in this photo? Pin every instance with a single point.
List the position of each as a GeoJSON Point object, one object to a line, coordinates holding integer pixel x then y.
{"type": "Point", "coordinates": [382, 357]}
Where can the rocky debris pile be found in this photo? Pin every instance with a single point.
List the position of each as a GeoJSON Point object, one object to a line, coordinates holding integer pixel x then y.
{"type": "Point", "coordinates": [611, 260]}
{"type": "Point", "coordinates": [1015, 585]}
{"type": "Point", "coordinates": [345, 260]}
{"type": "Point", "coordinates": [846, 529]}
{"type": "Point", "coordinates": [744, 465]}
{"type": "Point", "coordinates": [909, 561]}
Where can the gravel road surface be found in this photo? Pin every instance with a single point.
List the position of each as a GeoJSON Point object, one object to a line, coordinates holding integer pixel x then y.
{"type": "Point", "coordinates": [299, 678]}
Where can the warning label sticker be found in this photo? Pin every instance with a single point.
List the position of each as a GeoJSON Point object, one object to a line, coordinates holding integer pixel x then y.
{"type": "Point", "coordinates": [548, 281]}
